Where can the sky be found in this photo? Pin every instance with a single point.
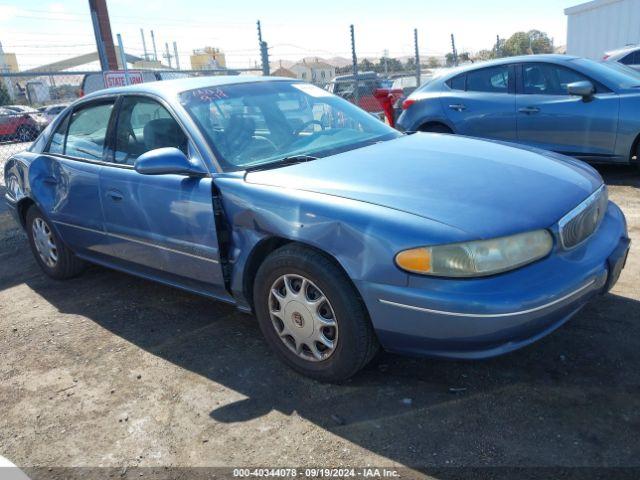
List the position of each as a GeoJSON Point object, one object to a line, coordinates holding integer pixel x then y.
{"type": "Point", "coordinates": [39, 31]}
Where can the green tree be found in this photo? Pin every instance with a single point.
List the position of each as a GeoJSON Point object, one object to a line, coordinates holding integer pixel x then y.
{"type": "Point", "coordinates": [527, 43]}
{"type": "Point", "coordinates": [5, 99]}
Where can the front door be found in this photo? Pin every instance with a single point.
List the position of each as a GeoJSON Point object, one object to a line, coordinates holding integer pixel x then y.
{"type": "Point", "coordinates": [550, 118]}
{"type": "Point", "coordinates": [162, 225]}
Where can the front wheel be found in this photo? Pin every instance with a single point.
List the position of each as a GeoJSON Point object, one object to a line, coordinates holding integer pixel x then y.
{"type": "Point", "coordinates": [55, 259]}
{"type": "Point", "coordinates": [311, 314]}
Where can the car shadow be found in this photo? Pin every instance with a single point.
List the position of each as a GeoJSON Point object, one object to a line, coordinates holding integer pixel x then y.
{"type": "Point", "coordinates": [571, 399]}
{"type": "Point", "coordinates": [623, 175]}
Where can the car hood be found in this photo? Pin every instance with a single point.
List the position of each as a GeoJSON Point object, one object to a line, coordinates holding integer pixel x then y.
{"type": "Point", "coordinates": [484, 188]}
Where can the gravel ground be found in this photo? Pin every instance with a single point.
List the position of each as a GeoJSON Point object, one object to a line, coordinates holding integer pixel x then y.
{"type": "Point", "coordinates": [111, 370]}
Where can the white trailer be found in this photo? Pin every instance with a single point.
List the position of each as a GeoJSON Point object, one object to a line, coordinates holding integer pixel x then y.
{"type": "Point", "coordinates": [601, 25]}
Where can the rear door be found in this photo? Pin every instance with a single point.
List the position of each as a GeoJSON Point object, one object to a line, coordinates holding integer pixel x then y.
{"type": "Point", "coordinates": [163, 225]}
{"type": "Point", "coordinates": [481, 103]}
{"type": "Point", "coordinates": [66, 180]}
{"type": "Point", "coordinates": [550, 118]}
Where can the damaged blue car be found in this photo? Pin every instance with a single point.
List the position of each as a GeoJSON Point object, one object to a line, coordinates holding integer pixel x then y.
{"type": "Point", "coordinates": [339, 233]}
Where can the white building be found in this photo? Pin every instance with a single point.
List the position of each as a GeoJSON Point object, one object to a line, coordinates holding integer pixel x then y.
{"type": "Point", "coordinates": [314, 72]}
{"type": "Point", "coordinates": [601, 25]}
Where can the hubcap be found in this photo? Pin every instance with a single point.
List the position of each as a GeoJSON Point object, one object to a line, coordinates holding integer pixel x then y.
{"type": "Point", "coordinates": [303, 318]}
{"type": "Point", "coordinates": [44, 242]}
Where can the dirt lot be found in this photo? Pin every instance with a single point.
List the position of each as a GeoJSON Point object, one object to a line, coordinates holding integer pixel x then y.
{"type": "Point", "coordinates": [111, 370]}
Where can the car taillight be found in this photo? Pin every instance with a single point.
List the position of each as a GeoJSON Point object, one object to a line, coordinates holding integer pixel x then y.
{"type": "Point", "coordinates": [407, 103]}
{"type": "Point", "coordinates": [605, 57]}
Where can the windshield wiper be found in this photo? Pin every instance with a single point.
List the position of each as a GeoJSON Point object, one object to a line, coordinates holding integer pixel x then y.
{"type": "Point", "coordinates": [292, 160]}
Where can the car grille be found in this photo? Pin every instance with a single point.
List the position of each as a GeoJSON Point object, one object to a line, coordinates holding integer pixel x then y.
{"type": "Point", "coordinates": [578, 225]}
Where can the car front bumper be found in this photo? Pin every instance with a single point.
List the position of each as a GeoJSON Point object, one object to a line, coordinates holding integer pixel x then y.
{"type": "Point", "coordinates": [485, 317]}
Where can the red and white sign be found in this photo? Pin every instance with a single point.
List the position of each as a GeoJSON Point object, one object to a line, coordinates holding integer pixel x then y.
{"type": "Point", "coordinates": [117, 78]}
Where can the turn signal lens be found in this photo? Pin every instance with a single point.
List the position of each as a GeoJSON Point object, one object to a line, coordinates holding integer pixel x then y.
{"type": "Point", "coordinates": [417, 260]}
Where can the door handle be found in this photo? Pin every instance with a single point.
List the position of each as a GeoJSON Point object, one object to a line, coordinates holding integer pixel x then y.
{"type": "Point", "coordinates": [114, 194]}
{"type": "Point", "coordinates": [50, 180]}
{"type": "Point", "coordinates": [529, 110]}
{"type": "Point", "coordinates": [458, 107]}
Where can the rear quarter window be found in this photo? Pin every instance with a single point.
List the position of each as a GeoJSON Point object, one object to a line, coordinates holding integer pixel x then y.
{"type": "Point", "coordinates": [457, 83]}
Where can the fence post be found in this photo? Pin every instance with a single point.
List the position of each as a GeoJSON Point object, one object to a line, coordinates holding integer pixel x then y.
{"type": "Point", "coordinates": [354, 60]}
{"type": "Point", "coordinates": [123, 60]}
{"type": "Point", "coordinates": [454, 51]}
{"type": "Point", "coordinates": [264, 52]}
{"type": "Point", "coordinates": [415, 43]}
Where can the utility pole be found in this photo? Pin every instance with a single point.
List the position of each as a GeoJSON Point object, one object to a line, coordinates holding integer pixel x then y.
{"type": "Point", "coordinates": [144, 45]}
{"type": "Point", "coordinates": [167, 55]}
{"type": "Point", "coordinates": [385, 55]}
{"type": "Point", "coordinates": [415, 44]}
{"type": "Point", "coordinates": [175, 54]}
{"type": "Point", "coordinates": [153, 43]}
{"type": "Point", "coordinates": [454, 51]}
{"type": "Point", "coordinates": [354, 61]}
{"type": "Point", "coordinates": [104, 37]}
{"type": "Point", "coordinates": [264, 52]}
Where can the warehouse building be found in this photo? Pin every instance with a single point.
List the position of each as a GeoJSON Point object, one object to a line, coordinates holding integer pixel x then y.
{"type": "Point", "coordinates": [601, 25]}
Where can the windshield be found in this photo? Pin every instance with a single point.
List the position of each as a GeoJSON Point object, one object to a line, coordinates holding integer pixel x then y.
{"type": "Point", "coordinates": [621, 75]}
{"type": "Point", "coordinates": [249, 124]}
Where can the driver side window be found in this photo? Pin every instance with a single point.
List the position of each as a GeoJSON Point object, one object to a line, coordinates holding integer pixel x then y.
{"type": "Point", "coordinates": [547, 79]}
{"type": "Point", "coordinates": [143, 125]}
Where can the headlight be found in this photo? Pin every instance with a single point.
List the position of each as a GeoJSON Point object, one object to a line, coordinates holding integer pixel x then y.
{"type": "Point", "coordinates": [477, 258]}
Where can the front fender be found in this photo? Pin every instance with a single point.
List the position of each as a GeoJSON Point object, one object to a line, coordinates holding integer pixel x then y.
{"type": "Point", "coordinates": [363, 238]}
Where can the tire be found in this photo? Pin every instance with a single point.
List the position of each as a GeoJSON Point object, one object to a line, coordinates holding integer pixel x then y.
{"type": "Point", "coordinates": [435, 128]}
{"type": "Point", "coordinates": [352, 336]}
{"type": "Point", "coordinates": [65, 264]}
{"type": "Point", "coordinates": [25, 133]}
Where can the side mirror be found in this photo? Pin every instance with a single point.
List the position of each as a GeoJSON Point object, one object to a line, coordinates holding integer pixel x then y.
{"type": "Point", "coordinates": [583, 89]}
{"type": "Point", "coordinates": [165, 161]}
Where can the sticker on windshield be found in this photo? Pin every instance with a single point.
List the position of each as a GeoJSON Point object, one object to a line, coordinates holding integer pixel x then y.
{"type": "Point", "coordinates": [311, 90]}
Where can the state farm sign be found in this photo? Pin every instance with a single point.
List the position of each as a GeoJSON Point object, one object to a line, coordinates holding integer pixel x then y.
{"type": "Point", "coordinates": [117, 78]}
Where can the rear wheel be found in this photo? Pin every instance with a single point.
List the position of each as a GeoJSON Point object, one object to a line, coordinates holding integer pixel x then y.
{"type": "Point", "coordinates": [55, 259]}
{"type": "Point", "coordinates": [25, 133]}
{"type": "Point", "coordinates": [311, 314]}
{"type": "Point", "coordinates": [435, 128]}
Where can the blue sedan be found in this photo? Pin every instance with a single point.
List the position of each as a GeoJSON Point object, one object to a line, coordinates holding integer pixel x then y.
{"type": "Point", "coordinates": [339, 233]}
{"type": "Point", "coordinates": [565, 104]}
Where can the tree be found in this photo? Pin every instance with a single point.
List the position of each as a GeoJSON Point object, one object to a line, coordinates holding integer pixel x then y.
{"type": "Point", "coordinates": [433, 62]}
{"type": "Point", "coordinates": [527, 43]}
{"type": "Point", "coordinates": [5, 99]}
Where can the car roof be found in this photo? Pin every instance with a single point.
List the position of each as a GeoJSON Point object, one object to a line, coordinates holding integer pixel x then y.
{"type": "Point", "coordinates": [167, 88]}
{"type": "Point", "coordinates": [623, 50]}
{"type": "Point", "coordinates": [551, 57]}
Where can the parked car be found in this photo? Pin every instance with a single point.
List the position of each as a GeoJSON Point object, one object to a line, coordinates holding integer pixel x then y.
{"type": "Point", "coordinates": [50, 112]}
{"type": "Point", "coordinates": [40, 122]}
{"type": "Point", "coordinates": [368, 82]}
{"type": "Point", "coordinates": [629, 56]}
{"type": "Point", "coordinates": [340, 233]}
{"type": "Point", "coordinates": [569, 105]}
{"type": "Point", "coordinates": [16, 126]}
